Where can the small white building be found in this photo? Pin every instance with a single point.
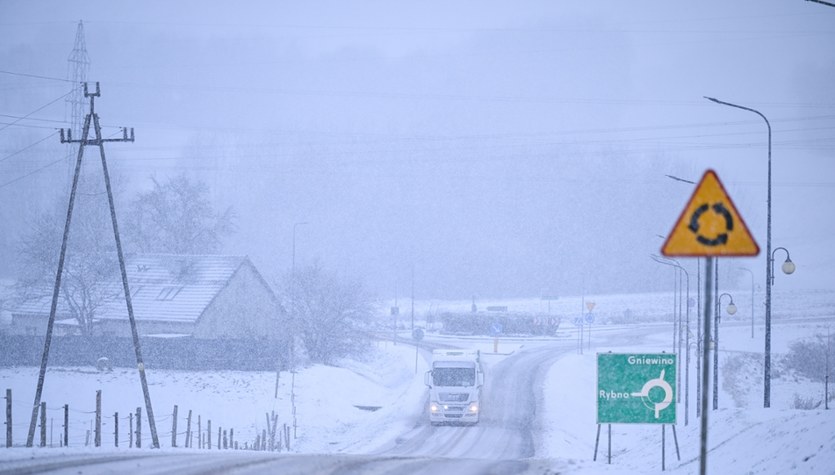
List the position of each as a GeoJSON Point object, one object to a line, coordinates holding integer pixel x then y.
{"type": "Point", "coordinates": [203, 297]}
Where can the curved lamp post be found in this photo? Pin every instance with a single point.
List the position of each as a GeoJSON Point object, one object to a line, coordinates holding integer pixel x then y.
{"type": "Point", "coordinates": [768, 268]}
{"type": "Point", "coordinates": [788, 266]}
{"type": "Point", "coordinates": [731, 309]}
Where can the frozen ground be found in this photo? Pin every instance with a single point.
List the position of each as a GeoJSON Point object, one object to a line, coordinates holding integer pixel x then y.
{"type": "Point", "coordinates": [333, 405]}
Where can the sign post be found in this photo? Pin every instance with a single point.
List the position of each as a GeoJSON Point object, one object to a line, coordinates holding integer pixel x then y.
{"type": "Point", "coordinates": [496, 330]}
{"type": "Point", "coordinates": [709, 226]}
{"type": "Point", "coordinates": [589, 319]}
{"type": "Point", "coordinates": [417, 335]}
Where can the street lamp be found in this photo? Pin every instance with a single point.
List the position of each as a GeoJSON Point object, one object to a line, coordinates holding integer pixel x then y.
{"type": "Point", "coordinates": [788, 266]}
{"type": "Point", "coordinates": [768, 275]}
{"type": "Point", "coordinates": [293, 287]}
{"type": "Point", "coordinates": [291, 343]}
{"type": "Point", "coordinates": [731, 309]}
{"type": "Point", "coordinates": [674, 263]}
{"type": "Point", "coordinates": [752, 297]}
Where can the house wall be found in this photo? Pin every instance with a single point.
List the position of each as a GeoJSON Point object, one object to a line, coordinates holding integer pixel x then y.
{"type": "Point", "coordinates": [121, 327]}
{"type": "Point", "coordinates": [35, 325]}
{"type": "Point", "coordinates": [244, 309]}
{"type": "Point", "coordinates": [32, 325]}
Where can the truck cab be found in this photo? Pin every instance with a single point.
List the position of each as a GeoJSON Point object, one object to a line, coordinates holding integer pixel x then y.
{"type": "Point", "coordinates": [455, 383]}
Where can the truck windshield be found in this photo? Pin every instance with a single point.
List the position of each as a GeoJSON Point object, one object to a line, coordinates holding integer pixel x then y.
{"type": "Point", "coordinates": [453, 376]}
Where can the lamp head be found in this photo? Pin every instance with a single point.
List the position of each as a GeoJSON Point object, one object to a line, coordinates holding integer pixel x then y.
{"type": "Point", "coordinates": [788, 266]}
{"type": "Point", "coordinates": [731, 308]}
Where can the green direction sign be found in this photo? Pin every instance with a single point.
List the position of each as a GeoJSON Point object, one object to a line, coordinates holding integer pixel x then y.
{"type": "Point", "coordinates": [636, 388]}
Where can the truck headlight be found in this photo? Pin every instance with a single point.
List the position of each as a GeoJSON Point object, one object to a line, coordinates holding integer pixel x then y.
{"type": "Point", "coordinates": [434, 407]}
{"type": "Point", "coordinates": [473, 407]}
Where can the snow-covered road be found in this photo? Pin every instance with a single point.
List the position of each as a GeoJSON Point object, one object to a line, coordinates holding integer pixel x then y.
{"type": "Point", "coordinates": [513, 385]}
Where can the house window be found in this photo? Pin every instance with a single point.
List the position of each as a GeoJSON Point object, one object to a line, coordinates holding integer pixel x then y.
{"type": "Point", "coordinates": [169, 292]}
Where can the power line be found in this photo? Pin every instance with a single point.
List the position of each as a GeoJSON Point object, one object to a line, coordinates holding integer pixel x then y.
{"type": "Point", "coordinates": [34, 171]}
{"type": "Point", "coordinates": [33, 118]}
{"type": "Point", "coordinates": [28, 126]}
{"type": "Point", "coordinates": [67, 157]}
{"type": "Point", "coordinates": [38, 109]}
{"type": "Point", "coordinates": [36, 76]}
{"type": "Point", "coordinates": [53, 134]}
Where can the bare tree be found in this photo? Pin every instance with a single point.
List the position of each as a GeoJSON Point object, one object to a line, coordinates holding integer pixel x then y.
{"type": "Point", "coordinates": [177, 217]}
{"type": "Point", "coordinates": [332, 316]}
{"type": "Point", "coordinates": [89, 265]}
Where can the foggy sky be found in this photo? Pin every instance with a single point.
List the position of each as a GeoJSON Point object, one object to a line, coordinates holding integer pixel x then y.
{"type": "Point", "coordinates": [496, 149]}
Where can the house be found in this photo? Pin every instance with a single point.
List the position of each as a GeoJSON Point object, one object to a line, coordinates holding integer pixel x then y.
{"type": "Point", "coordinates": [202, 297]}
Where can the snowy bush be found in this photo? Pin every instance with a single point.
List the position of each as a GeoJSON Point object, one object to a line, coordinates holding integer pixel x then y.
{"type": "Point", "coordinates": [808, 358]}
{"type": "Point", "coordinates": [331, 315]}
{"type": "Point", "coordinates": [806, 403]}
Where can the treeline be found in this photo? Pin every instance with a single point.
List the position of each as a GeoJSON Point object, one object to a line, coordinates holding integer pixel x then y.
{"type": "Point", "coordinates": [499, 323]}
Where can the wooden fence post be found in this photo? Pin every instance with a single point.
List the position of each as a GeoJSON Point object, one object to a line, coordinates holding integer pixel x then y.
{"type": "Point", "coordinates": [264, 439]}
{"type": "Point", "coordinates": [209, 434]}
{"type": "Point", "coordinates": [8, 417]}
{"type": "Point", "coordinates": [130, 430]}
{"type": "Point", "coordinates": [231, 437]}
{"type": "Point", "coordinates": [174, 428]}
{"type": "Point", "coordinates": [225, 441]}
{"type": "Point", "coordinates": [199, 433]}
{"type": "Point", "coordinates": [116, 429]}
{"type": "Point", "coordinates": [43, 424]}
{"type": "Point", "coordinates": [218, 437]}
{"type": "Point", "coordinates": [188, 430]}
{"type": "Point", "coordinates": [66, 425]}
{"type": "Point", "coordinates": [138, 427]}
{"type": "Point", "coordinates": [98, 418]}
{"type": "Point", "coordinates": [269, 430]}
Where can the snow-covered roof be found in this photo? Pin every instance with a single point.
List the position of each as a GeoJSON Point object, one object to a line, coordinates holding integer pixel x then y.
{"type": "Point", "coordinates": [163, 287]}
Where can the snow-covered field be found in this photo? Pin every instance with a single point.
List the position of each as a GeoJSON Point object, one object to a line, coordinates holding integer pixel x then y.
{"type": "Point", "coordinates": [333, 402]}
{"type": "Point", "coordinates": [743, 437]}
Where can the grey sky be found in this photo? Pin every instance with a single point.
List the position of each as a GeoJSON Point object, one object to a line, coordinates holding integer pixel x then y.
{"type": "Point", "coordinates": [504, 149]}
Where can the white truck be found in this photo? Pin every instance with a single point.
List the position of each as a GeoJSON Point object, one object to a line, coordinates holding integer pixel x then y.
{"type": "Point", "coordinates": [455, 382]}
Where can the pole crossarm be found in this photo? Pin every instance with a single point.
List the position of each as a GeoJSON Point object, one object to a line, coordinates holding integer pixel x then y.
{"type": "Point", "coordinates": [97, 141]}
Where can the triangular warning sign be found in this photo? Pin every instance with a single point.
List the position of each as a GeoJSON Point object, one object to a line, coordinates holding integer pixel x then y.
{"type": "Point", "coordinates": [710, 225]}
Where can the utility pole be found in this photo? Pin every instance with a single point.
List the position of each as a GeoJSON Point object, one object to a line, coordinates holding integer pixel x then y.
{"type": "Point", "coordinates": [92, 119]}
{"type": "Point", "coordinates": [413, 296]}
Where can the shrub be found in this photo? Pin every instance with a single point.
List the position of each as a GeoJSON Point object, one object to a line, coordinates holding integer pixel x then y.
{"type": "Point", "coordinates": [808, 357]}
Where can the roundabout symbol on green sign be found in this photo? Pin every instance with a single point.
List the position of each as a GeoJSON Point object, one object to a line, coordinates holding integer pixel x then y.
{"type": "Point", "coordinates": [636, 388]}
